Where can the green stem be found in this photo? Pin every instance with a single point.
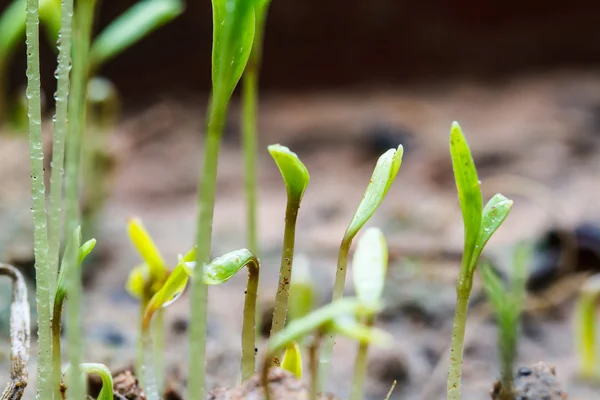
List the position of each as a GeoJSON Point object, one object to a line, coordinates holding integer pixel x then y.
{"type": "Point", "coordinates": [58, 140]}
{"type": "Point", "coordinates": [140, 344]}
{"type": "Point", "coordinates": [148, 371]}
{"type": "Point", "coordinates": [463, 291]}
{"type": "Point", "coordinates": [56, 348]}
{"type": "Point", "coordinates": [360, 367]}
{"type": "Point", "coordinates": [248, 327]}
{"type": "Point", "coordinates": [585, 314]}
{"type": "Point", "coordinates": [106, 393]}
{"type": "Point", "coordinates": [338, 292]}
{"type": "Point", "coordinates": [38, 199]}
{"type": "Point", "coordinates": [158, 344]}
{"type": "Point", "coordinates": [82, 29]}
{"type": "Point", "coordinates": [313, 352]}
{"type": "Point", "coordinates": [285, 272]}
{"type": "Point", "coordinates": [206, 203]}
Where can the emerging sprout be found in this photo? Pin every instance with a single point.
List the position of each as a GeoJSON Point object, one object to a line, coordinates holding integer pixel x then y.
{"type": "Point", "coordinates": [19, 334]}
{"type": "Point", "coordinates": [292, 359]}
{"type": "Point", "coordinates": [585, 321]}
{"type": "Point", "coordinates": [369, 267]}
{"type": "Point", "coordinates": [296, 178]}
{"type": "Point", "coordinates": [383, 176]}
{"type": "Point", "coordinates": [106, 393]}
{"type": "Point", "coordinates": [508, 305]}
{"type": "Point", "coordinates": [479, 225]}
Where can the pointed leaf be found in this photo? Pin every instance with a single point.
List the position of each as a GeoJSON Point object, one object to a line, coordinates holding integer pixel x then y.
{"type": "Point", "coordinates": [469, 193]}
{"type": "Point", "coordinates": [168, 293]}
{"type": "Point", "coordinates": [349, 327]}
{"type": "Point", "coordinates": [223, 268]}
{"type": "Point", "coordinates": [85, 249]}
{"type": "Point", "coordinates": [383, 176]}
{"type": "Point", "coordinates": [136, 282]}
{"type": "Point", "coordinates": [233, 34]}
{"type": "Point", "coordinates": [292, 359]}
{"type": "Point", "coordinates": [369, 265]}
{"type": "Point", "coordinates": [148, 251]}
{"type": "Point", "coordinates": [302, 291]}
{"type": "Point", "coordinates": [295, 175]}
{"type": "Point", "coordinates": [130, 27]}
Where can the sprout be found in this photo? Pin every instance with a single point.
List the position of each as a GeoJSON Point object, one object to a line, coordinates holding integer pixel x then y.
{"type": "Point", "coordinates": [383, 176]}
{"type": "Point", "coordinates": [585, 323]}
{"type": "Point", "coordinates": [106, 393]}
{"type": "Point", "coordinates": [369, 267]}
{"type": "Point", "coordinates": [479, 225]}
{"type": "Point", "coordinates": [292, 359]}
{"type": "Point", "coordinates": [296, 178]}
{"type": "Point", "coordinates": [19, 334]}
{"type": "Point", "coordinates": [508, 303]}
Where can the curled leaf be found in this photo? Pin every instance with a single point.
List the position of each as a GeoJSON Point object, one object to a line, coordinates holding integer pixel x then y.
{"type": "Point", "coordinates": [144, 244]}
{"type": "Point", "coordinates": [106, 393]}
{"type": "Point", "coordinates": [295, 175]}
{"type": "Point", "coordinates": [369, 265]}
{"type": "Point", "coordinates": [225, 267]}
{"type": "Point", "coordinates": [292, 359]}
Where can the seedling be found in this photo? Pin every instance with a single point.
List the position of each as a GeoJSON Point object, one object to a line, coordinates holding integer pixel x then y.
{"type": "Point", "coordinates": [292, 359]}
{"type": "Point", "coordinates": [508, 303]}
{"type": "Point", "coordinates": [106, 393]}
{"type": "Point", "coordinates": [233, 33]}
{"type": "Point", "coordinates": [369, 268]}
{"type": "Point", "coordinates": [383, 176]}
{"type": "Point", "coordinates": [479, 225]}
{"type": "Point", "coordinates": [338, 316]}
{"type": "Point", "coordinates": [296, 178]}
{"type": "Point", "coordinates": [585, 322]}
{"type": "Point", "coordinates": [19, 334]}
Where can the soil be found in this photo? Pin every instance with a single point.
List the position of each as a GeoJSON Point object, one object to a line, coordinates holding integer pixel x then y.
{"type": "Point", "coordinates": [535, 138]}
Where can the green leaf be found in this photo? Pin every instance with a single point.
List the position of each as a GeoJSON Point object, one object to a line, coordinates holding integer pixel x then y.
{"type": "Point", "coordinates": [84, 251]}
{"type": "Point", "coordinates": [295, 175]}
{"type": "Point", "coordinates": [233, 34]}
{"type": "Point", "coordinates": [223, 268]}
{"type": "Point", "coordinates": [319, 319]}
{"type": "Point", "coordinates": [494, 288]}
{"type": "Point", "coordinates": [302, 291]}
{"type": "Point", "coordinates": [494, 213]}
{"type": "Point", "coordinates": [144, 244]}
{"type": "Point", "coordinates": [369, 265]}
{"type": "Point", "coordinates": [292, 359]}
{"type": "Point", "coordinates": [50, 15]}
{"type": "Point", "coordinates": [12, 28]}
{"type": "Point", "coordinates": [349, 327]}
{"type": "Point", "coordinates": [106, 393]}
{"type": "Point", "coordinates": [130, 27]}
{"type": "Point", "coordinates": [136, 281]}
{"type": "Point", "coordinates": [383, 176]}
{"type": "Point", "coordinates": [469, 192]}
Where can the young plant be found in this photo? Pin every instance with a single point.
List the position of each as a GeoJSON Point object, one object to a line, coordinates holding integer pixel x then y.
{"type": "Point", "coordinates": [479, 225]}
{"type": "Point", "coordinates": [292, 359]}
{"type": "Point", "coordinates": [338, 316]}
{"type": "Point", "coordinates": [296, 178]}
{"type": "Point", "coordinates": [106, 393]}
{"type": "Point", "coordinates": [233, 33]}
{"type": "Point", "coordinates": [383, 176]}
{"type": "Point", "coordinates": [585, 326]}
{"type": "Point", "coordinates": [19, 334]}
{"type": "Point", "coordinates": [508, 303]}
{"type": "Point", "coordinates": [369, 267]}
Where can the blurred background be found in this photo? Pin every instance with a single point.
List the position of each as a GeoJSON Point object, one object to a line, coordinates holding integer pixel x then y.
{"type": "Point", "coordinates": [341, 83]}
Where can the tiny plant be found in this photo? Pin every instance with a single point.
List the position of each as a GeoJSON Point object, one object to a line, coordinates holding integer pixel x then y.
{"type": "Point", "coordinates": [585, 325]}
{"type": "Point", "coordinates": [369, 267]}
{"type": "Point", "coordinates": [508, 303]}
{"type": "Point", "coordinates": [479, 225]}
{"type": "Point", "coordinates": [383, 176]}
{"type": "Point", "coordinates": [296, 178]}
{"type": "Point", "coordinates": [292, 359]}
{"type": "Point", "coordinates": [106, 393]}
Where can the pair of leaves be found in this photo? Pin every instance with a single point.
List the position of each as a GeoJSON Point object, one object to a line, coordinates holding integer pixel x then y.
{"type": "Point", "coordinates": [479, 224]}
{"type": "Point", "coordinates": [369, 265]}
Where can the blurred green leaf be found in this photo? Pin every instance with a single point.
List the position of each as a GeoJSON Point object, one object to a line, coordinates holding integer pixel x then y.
{"type": "Point", "coordinates": [223, 268]}
{"type": "Point", "coordinates": [233, 34]}
{"type": "Point", "coordinates": [295, 175]}
{"type": "Point", "coordinates": [145, 246]}
{"type": "Point", "coordinates": [136, 280]}
{"type": "Point", "coordinates": [130, 27]}
{"type": "Point", "coordinates": [369, 265]}
{"type": "Point", "coordinates": [349, 327]}
{"type": "Point", "coordinates": [302, 291]}
{"type": "Point", "coordinates": [12, 28]}
{"type": "Point", "coordinates": [292, 359]}
{"type": "Point", "coordinates": [50, 15]}
{"type": "Point", "coordinates": [85, 249]}
{"type": "Point", "coordinates": [383, 176]}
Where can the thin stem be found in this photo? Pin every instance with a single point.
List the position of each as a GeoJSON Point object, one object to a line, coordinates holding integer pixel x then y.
{"type": "Point", "coordinates": [148, 371]}
{"type": "Point", "coordinates": [249, 100]}
{"type": "Point", "coordinates": [206, 203]}
{"type": "Point", "coordinates": [463, 291]}
{"type": "Point", "coordinates": [285, 272]}
{"type": "Point", "coordinates": [158, 344]}
{"type": "Point", "coordinates": [360, 367]}
{"type": "Point", "coordinates": [140, 345]}
{"type": "Point", "coordinates": [313, 360]}
{"type": "Point", "coordinates": [38, 199]}
{"type": "Point", "coordinates": [58, 140]}
{"type": "Point", "coordinates": [248, 327]}
{"type": "Point", "coordinates": [56, 347]}
{"type": "Point", "coordinates": [264, 374]}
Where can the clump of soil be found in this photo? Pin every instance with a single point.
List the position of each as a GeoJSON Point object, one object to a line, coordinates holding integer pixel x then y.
{"type": "Point", "coordinates": [537, 382]}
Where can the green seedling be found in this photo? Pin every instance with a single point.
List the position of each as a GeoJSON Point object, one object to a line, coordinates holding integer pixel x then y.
{"type": "Point", "coordinates": [338, 316]}
{"type": "Point", "coordinates": [292, 359]}
{"type": "Point", "coordinates": [302, 291]}
{"type": "Point", "coordinates": [59, 299]}
{"type": "Point", "coordinates": [383, 176]}
{"type": "Point", "coordinates": [19, 334]}
{"type": "Point", "coordinates": [296, 178]}
{"type": "Point", "coordinates": [585, 327]}
{"type": "Point", "coordinates": [233, 33]}
{"type": "Point", "coordinates": [369, 268]}
{"type": "Point", "coordinates": [479, 225]}
{"type": "Point", "coordinates": [106, 393]}
{"type": "Point", "coordinates": [508, 303]}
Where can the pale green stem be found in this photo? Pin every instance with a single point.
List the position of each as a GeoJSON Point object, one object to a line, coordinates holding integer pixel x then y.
{"type": "Point", "coordinates": [56, 347]}
{"type": "Point", "coordinates": [148, 371]}
{"type": "Point", "coordinates": [140, 344]}
{"type": "Point", "coordinates": [206, 203]}
{"type": "Point", "coordinates": [158, 344]}
{"type": "Point", "coordinates": [338, 292]}
{"type": "Point", "coordinates": [249, 99]}
{"type": "Point", "coordinates": [285, 272]}
{"type": "Point", "coordinates": [248, 327]}
{"type": "Point", "coordinates": [360, 367]}
{"type": "Point", "coordinates": [38, 200]}
{"type": "Point", "coordinates": [58, 140]}
{"type": "Point", "coordinates": [463, 291]}
{"type": "Point", "coordinates": [82, 29]}
{"type": "Point", "coordinates": [313, 360]}
{"type": "Point", "coordinates": [585, 317]}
